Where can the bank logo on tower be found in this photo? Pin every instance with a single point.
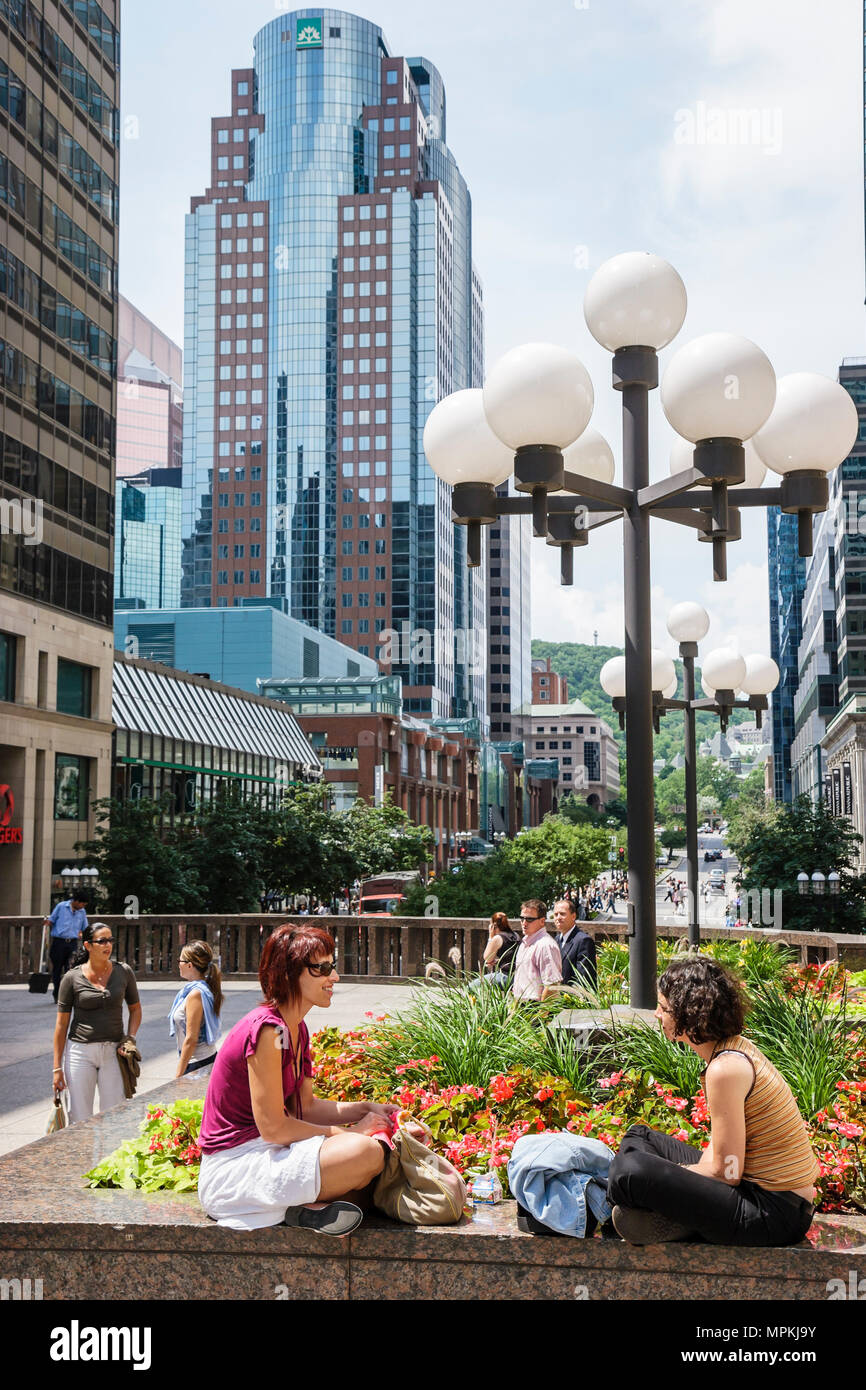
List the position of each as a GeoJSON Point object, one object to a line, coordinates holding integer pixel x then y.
{"type": "Point", "coordinates": [309, 33]}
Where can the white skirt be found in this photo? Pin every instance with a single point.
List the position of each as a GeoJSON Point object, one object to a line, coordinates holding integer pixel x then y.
{"type": "Point", "coordinates": [252, 1185]}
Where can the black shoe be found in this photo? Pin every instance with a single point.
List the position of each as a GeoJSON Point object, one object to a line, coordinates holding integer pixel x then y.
{"type": "Point", "coordinates": [530, 1224]}
{"type": "Point", "coordinates": [335, 1219]}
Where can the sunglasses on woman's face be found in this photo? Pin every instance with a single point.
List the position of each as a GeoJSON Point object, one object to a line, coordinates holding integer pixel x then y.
{"type": "Point", "coordinates": [323, 967]}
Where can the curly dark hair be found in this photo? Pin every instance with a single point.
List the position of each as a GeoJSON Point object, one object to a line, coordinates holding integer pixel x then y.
{"type": "Point", "coordinates": [707, 1002]}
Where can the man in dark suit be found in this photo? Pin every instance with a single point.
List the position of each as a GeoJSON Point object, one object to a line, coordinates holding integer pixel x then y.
{"type": "Point", "coordinates": [576, 948]}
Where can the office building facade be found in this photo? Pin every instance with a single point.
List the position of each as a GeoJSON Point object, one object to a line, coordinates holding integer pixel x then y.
{"type": "Point", "coordinates": [149, 395]}
{"type": "Point", "coordinates": [509, 643]}
{"type": "Point", "coordinates": [238, 646]}
{"type": "Point", "coordinates": [787, 579]}
{"type": "Point", "coordinates": [147, 546]}
{"type": "Point", "coordinates": [59, 72]}
{"type": "Point", "coordinates": [331, 300]}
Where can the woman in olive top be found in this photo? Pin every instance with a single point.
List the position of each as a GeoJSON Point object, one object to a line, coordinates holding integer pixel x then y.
{"type": "Point", "coordinates": [92, 994]}
{"type": "Point", "coordinates": [755, 1182]}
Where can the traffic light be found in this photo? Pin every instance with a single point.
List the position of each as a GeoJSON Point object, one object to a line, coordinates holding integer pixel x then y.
{"type": "Point", "coordinates": [622, 851]}
{"type": "Point", "coordinates": [461, 850]}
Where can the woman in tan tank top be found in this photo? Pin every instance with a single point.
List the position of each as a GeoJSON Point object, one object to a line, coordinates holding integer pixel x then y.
{"type": "Point", "coordinates": [755, 1182]}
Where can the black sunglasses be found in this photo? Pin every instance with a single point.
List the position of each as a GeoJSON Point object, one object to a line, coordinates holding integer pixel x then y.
{"type": "Point", "coordinates": [323, 968]}
{"type": "Point", "coordinates": [530, 919]}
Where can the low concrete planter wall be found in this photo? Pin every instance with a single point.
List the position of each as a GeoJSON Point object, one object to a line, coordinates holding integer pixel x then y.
{"type": "Point", "coordinates": [130, 1246]}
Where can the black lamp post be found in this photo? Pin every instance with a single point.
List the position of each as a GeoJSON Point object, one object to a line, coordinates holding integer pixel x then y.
{"type": "Point", "coordinates": [717, 391]}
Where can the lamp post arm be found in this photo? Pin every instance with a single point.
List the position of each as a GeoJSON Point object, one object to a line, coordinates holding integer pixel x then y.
{"type": "Point", "coordinates": [699, 521]}
{"type": "Point", "coordinates": [648, 497]}
{"type": "Point", "coordinates": [597, 491]}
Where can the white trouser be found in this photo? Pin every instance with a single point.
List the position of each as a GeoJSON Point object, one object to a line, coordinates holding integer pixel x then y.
{"type": "Point", "coordinates": [87, 1064]}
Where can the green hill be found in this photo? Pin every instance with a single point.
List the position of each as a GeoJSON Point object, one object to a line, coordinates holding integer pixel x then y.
{"type": "Point", "coordinates": [581, 663]}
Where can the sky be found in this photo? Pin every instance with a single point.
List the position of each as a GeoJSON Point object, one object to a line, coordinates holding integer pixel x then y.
{"type": "Point", "coordinates": [584, 128]}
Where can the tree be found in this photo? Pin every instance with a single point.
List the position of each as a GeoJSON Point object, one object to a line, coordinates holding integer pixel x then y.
{"type": "Point", "coordinates": [672, 837]}
{"type": "Point", "coordinates": [307, 850]}
{"type": "Point", "coordinates": [140, 870]}
{"type": "Point", "coordinates": [225, 851]}
{"type": "Point", "coordinates": [478, 888]}
{"type": "Point", "coordinates": [774, 843]}
{"type": "Point", "coordinates": [382, 839]}
{"type": "Point", "coordinates": [562, 854]}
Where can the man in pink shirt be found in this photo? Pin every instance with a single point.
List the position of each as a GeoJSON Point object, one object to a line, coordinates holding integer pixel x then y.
{"type": "Point", "coordinates": [538, 964]}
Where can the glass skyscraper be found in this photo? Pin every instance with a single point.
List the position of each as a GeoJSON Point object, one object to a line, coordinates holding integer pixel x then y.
{"type": "Point", "coordinates": [331, 301]}
{"type": "Point", "coordinates": [787, 576]}
{"type": "Point", "coordinates": [147, 540]}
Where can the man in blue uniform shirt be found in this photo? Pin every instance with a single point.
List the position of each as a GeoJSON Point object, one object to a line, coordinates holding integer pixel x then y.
{"type": "Point", "coordinates": [68, 921]}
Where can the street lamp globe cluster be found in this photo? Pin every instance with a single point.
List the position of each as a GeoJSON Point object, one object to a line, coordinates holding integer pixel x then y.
{"type": "Point", "coordinates": [530, 422]}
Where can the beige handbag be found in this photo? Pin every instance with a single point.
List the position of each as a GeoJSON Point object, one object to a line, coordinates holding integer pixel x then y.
{"type": "Point", "coordinates": [59, 1117]}
{"type": "Point", "coordinates": [417, 1186]}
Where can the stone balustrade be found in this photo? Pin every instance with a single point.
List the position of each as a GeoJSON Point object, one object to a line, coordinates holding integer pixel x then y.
{"type": "Point", "coordinates": [372, 948]}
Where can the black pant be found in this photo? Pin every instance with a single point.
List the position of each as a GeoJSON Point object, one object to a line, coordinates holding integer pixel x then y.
{"type": "Point", "coordinates": [647, 1173]}
{"type": "Point", "coordinates": [60, 953]}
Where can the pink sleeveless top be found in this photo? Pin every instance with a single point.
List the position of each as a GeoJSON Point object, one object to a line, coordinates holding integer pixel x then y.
{"type": "Point", "coordinates": [228, 1109]}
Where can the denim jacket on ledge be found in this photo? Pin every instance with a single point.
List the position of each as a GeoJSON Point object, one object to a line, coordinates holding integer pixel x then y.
{"type": "Point", "coordinates": [555, 1176]}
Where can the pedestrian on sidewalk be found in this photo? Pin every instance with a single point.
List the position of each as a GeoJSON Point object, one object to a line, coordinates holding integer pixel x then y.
{"type": "Point", "coordinates": [91, 995]}
{"type": "Point", "coordinates": [67, 922]}
{"type": "Point", "coordinates": [194, 1015]}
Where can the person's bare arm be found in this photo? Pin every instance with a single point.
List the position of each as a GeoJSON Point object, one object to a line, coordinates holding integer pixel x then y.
{"type": "Point", "coordinates": [492, 949]}
{"type": "Point", "coordinates": [134, 1022]}
{"type": "Point", "coordinates": [728, 1080]}
{"type": "Point", "coordinates": [265, 1071]}
{"type": "Point", "coordinates": [61, 1029]}
{"type": "Point", "coordinates": [194, 1011]}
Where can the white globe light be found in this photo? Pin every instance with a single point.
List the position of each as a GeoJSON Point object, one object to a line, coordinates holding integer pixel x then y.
{"type": "Point", "coordinates": [670, 690]}
{"type": "Point", "coordinates": [538, 394]}
{"type": "Point", "coordinates": [688, 622]}
{"type": "Point", "coordinates": [635, 300]}
{"type": "Point", "coordinates": [813, 425]}
{"type": "Point", "coordinates": [708, 690]}
{"type": "Point", "coordinates": [719, 386]}
{"type": "Point", "coordinates": [683, 453]}
{"type": "Point", "coordinates": [762, 674]}
{"type": "Point", "coordinates": [724, 669]}
{"type": "Point", "coordinates": [663, 669]}
{"type": "Point", "coordinates": [460, 445]}
{"type": "Point", "coordinates": [590, 455]}
{"type": "Point", "coordinates": [612, 677]}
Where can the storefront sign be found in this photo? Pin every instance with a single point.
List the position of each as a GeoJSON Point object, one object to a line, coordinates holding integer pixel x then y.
{"type": "Point", "coordinates": [9, 834]}
{"type": "Point", "coordinates": [837, 791]}
{"type": "Point", "coordinates": [847, 795]}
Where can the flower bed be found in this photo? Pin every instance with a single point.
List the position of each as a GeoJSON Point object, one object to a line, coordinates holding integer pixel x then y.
{"type": "Point", "coordinates": [801, 1018]}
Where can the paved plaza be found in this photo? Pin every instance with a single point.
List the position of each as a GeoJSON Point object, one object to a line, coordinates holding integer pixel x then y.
{"type": "Point", "coordinates": [27, 1029]}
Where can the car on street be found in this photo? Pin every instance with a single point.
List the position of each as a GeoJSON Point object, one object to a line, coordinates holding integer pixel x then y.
{"type": "Point", "coordinates": [717, 880]}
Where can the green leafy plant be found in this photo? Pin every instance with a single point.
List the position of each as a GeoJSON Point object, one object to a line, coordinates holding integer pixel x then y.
{"type": "Point", "coordinates": [806, 1039]}
{"type": "Point", "coordinates": [164, 1157]}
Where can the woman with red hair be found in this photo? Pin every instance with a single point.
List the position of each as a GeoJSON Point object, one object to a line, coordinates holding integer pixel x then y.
{"type": "Point", "coordinates": [272, 1151]}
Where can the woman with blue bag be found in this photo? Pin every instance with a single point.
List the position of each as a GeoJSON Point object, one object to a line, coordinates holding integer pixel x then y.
{"type": "Point", "coordinates": [194, 1015]}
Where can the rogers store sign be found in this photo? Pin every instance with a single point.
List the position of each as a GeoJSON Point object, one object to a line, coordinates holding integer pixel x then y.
{"type": "Point", "coordinates": [9, 834]}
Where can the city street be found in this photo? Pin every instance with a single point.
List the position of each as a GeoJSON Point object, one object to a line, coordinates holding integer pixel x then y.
{"type": "Point", "coordinates": [712, 909]}
{"type": "Point", "coordinates": [27, 1029]}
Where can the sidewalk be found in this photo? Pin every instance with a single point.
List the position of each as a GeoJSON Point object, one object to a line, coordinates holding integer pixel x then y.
{"type": "Point", "coordinates": [27, 1031]}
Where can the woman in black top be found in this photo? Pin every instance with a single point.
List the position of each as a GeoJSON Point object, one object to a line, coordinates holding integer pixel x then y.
{"type": "Point", "coordinates": [91, 995]}
{"type": "Point", "coordinates": [500, 950]}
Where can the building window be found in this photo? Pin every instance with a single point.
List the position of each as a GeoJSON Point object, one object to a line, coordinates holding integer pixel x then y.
{"type": "Point", "coordinates": [8, 653]}
{"type": "Point", "coordinates": [346, 627]}
{"type": "Point", "coordinates": [74, 687]}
